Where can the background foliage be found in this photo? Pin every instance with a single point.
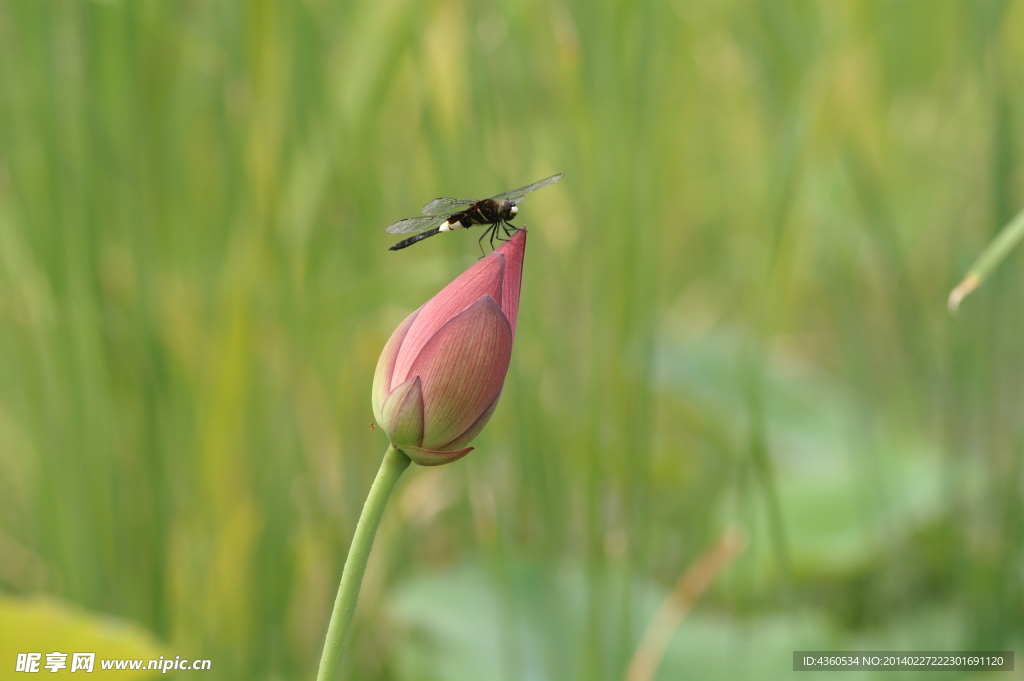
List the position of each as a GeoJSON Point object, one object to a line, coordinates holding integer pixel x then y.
{"type": "Point", "coordinates": [733, 316]}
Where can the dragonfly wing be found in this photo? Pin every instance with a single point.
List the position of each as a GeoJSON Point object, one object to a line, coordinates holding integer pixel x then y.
{"type": "Point", "coordinates": [449, 206]}
{"type": "Point", "coordinates": [416, 224]}
{"type": "Point", "coordinates": [518, 194]}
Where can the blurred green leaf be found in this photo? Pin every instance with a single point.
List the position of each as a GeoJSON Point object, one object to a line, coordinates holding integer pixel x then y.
{"type": "Point", "coordinates": [46, 625]}
{"type": "Point", "coordinates": [470, 623]}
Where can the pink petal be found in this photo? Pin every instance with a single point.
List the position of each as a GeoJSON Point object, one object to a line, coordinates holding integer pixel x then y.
{"type": "Point", "coordinates": [402, 414]}
{"type": "Point", "coordinates": [386, 365]}
{"type": "Point", "coordinates": [474, 429]}
{"type": "Point", "coordinates": [463, 367]}
{"type": "Point", "coordinates": [514, 249]}
{"type": "Point", "coordinates": [484, 278]}
{"type": "Point", "coordinates": [429, 457]}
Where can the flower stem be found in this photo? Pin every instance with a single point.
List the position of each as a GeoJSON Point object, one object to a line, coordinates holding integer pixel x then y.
{"type": "Point", "coordinates": [395, 462]}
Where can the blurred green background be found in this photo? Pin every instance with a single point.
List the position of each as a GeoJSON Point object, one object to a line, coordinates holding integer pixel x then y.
{"type": "Point", "coordinates": [732, 317]}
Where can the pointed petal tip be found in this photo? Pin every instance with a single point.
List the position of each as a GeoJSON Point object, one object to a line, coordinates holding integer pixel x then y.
{"type": "Point", "coordinates": [514, 251]}
{"type": "Point", "coordinates": [516, 243]}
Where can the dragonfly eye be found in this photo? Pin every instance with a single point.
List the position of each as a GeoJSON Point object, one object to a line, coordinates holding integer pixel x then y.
{"type": "Point", "coordinates": [507, 209]}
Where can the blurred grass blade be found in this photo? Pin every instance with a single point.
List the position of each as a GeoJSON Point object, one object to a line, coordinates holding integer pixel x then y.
{"type": "Point", "coordinates": [690, 587]}
{"type": "Point", "coordinates": [1004, 242]}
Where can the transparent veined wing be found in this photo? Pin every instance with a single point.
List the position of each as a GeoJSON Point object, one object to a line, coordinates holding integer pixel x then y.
{"type": "Point", "coordinates": [449, 206]}
{"type": "Point", "coordinates": [417, 224]}
{"type": "Point", "coordinates": [518, 194]}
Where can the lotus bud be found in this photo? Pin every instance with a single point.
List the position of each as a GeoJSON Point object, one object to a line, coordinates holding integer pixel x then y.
{"type": "Point", "coordinates": [440, 375]}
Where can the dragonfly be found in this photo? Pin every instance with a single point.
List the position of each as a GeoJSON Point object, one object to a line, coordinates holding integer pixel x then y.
{"type": "Point", "coordinates": [445, 215]}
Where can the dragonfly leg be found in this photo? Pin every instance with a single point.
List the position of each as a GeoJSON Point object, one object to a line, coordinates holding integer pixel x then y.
{"type": "Point", "coordinates": [480, 241]}
{"type": "Point", "coordinates": [494, 233]}
{"type": "Point", "coordinates": [509, 229]}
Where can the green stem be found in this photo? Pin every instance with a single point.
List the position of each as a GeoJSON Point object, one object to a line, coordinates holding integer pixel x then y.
{"type": "Point", "coordinates": [395, 462]}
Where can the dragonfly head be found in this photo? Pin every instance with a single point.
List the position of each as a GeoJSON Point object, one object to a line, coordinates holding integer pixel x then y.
{"type": "Point", "coordinates": [507, 210]}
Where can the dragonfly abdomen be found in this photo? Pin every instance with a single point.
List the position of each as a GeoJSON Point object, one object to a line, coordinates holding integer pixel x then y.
{"type": "Point", "coordinates": [419, 237]}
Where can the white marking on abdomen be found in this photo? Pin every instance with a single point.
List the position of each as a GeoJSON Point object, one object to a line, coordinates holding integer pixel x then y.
{"type": "Point", "coordinates": [447, 226]}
